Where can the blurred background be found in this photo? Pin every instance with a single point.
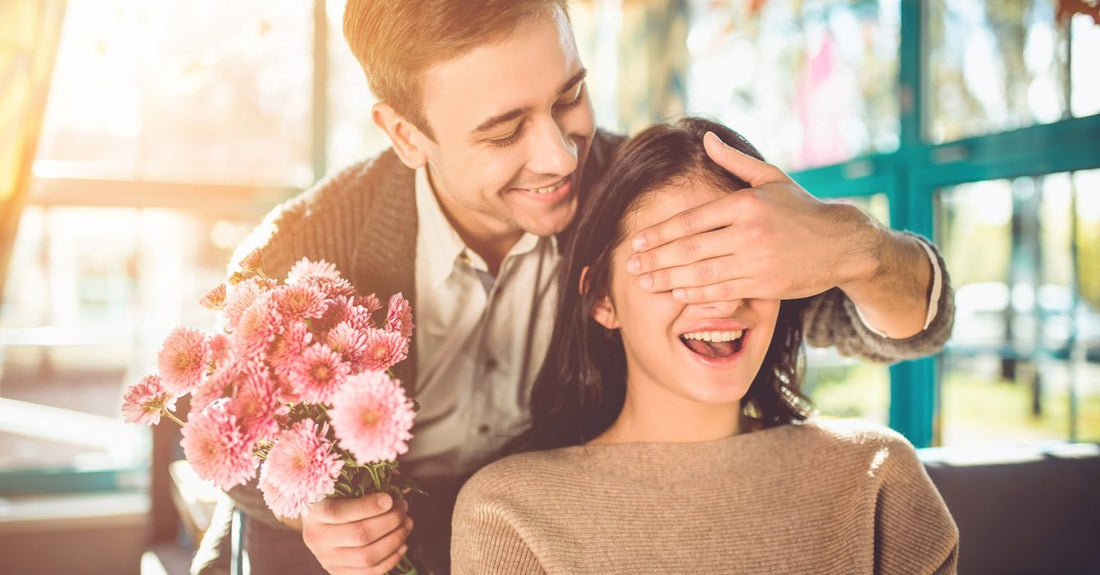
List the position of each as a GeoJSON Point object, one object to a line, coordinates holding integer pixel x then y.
{"type": "Point", "coordinates": [140, 141]}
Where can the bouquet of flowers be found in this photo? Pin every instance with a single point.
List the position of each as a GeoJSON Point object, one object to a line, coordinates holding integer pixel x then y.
{"type": "Point", "coordinates": [296, 388]}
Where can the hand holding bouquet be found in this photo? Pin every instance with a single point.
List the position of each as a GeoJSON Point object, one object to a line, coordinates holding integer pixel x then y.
{"type": "Point", "coordinates": [295, 389]}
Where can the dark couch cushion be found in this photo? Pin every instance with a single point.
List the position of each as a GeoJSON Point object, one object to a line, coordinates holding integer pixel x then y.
{"type": "Point", "coordinates": [1022, 510]}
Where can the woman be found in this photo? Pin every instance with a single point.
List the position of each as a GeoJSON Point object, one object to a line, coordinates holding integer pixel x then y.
{"type": "Point", "coordinates": [674, 437]}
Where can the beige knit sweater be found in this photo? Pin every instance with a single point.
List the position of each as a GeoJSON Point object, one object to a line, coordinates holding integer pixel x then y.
{"type": "Point", "coordinates": [825, 496]}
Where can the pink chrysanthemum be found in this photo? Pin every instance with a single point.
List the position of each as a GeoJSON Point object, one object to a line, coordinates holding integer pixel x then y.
{"type": "Point", "coordinates": [302, 466]}
{"type": "Point", "coordinates": [318, 374]}
{"type": "Point", "coordinates": [145, 401]}
{"type": "Point", "coordinates": [299, 301]}
{"type": "Point", "coordinates": [258, 328]}
{"type": "Point", "coordinates": [370, 302]}
{"type": "Point", "coordinates": [305, 268]}
{"type": "Point", "coordinates": [372, 417]}
{"type": "Point", "coordinates": [399, 315]}
{"type": "Point", "coordinates": [256, 404]}
{"type": "Point", "coordinates": [217, 448]}
{"type": "Point", "coordinates": [183, 360]}
{"type": "Point", "coordinates": [284, 503]}
{"type": "Point", "coordinates": [331, 287]}
{"type": "Point", "coordinates": [343, 309]}
{"type": "Point", "coordinates": [252, 262]}
{"type": "Point", "coordinates": [384, 349]}
{"type": "Point", "coordinates": [214, 299]}
{"type": "Point", "coordinates": [242, 296]}
{"type": "Point", "coordinates": [347, 341]}
{"type": "Point", "coordinates": [220, 384]}
{"type": "Point", "coordinates": [219, 351]}
{"type": "Point", "coordinates": [288, 346]}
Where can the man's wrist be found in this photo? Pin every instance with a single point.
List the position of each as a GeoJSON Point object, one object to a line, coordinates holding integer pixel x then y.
{"type": "Point", "coordinates": [866, 255]}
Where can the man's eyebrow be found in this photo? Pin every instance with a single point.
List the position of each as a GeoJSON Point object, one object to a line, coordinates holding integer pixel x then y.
{"type": "Point", "coordinates": [510, 115]}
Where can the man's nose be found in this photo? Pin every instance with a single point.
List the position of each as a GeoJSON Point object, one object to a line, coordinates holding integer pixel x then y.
{"type": "Point", "coordinates": [551, 151]}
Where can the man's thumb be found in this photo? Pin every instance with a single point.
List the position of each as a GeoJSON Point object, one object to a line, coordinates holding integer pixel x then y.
{"type": "Point", "coordinates": [736, 162]}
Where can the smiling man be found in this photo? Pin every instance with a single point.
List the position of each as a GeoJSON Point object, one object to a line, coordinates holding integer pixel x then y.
{"type": "Point", "coordinates": [494, 144]}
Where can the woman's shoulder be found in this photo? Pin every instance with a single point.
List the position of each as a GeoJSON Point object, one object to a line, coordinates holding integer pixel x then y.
{"type": "Point", "coordinates": [859, 441]}
{"type": "Point", "coordinates": [847, 431]}
{"type": "Point", "coordinates": [519, 475]}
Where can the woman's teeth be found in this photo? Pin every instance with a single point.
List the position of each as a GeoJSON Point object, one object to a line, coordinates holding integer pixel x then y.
{"type": "Point", "coordinates": [548, 189]}
{"type": "Point", "coordinates": [714, 336]}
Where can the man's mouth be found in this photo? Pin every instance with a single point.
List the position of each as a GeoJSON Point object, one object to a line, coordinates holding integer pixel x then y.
{"type": "Point", "coordinates": [549, 189]}
{"type": "Point", "coordinates": [551, 194]}
{"type": "Point", "coordinates": [714, 344]}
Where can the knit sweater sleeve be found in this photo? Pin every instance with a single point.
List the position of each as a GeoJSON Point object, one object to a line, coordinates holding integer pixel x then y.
{"type": "Point", "coordinates": [320, 223]}
{"type": "Point", "coordinates": [914, 531]}
{"type": "Point", "coordinates": [831, 320]}
{"type": "Point", "coordinates": [483, 538]}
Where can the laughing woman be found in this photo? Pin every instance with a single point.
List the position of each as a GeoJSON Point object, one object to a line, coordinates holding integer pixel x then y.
{"type": "Point", "coordinates": [673, 438]}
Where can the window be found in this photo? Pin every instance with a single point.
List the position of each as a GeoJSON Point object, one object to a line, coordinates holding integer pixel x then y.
{"type": "Point", "coordinates": [810, 83]}
{"type": "Point", "coordinates": [1027, 329]}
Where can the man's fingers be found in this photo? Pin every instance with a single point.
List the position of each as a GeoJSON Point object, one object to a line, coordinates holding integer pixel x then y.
{"type": "Point", "coordinates": [377, 555]}
{"type": "Point", "coordinates": [721, 291]}
{"type": "Point", "coordinates": [701, 273]}
{"type": "Point", "coordinates": [348, 510]}
{"type": "Point", "coordinates": [681, 252]}
{"type": "Point", "coordinates": [697, 220]}
{"type": "Point", "coordinates": [360, 533]}
{"type": "Point", "coordinates": [755, 172]}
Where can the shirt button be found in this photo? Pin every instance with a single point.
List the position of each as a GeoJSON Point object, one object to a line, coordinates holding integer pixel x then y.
{"type": "Point", "coordinates": [483, 429]}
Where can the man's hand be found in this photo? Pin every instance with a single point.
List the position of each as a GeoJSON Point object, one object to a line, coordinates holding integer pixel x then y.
{"type": "Point", "coordinates": [364, 536]}
{"type": "Point", "coordinates": [776, 241]}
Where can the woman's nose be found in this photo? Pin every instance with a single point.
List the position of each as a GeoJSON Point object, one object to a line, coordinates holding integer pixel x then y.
{"type": "Point", "coordinates": [723, 308]}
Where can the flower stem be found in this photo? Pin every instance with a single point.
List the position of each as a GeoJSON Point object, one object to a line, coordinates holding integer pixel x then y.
{"type": "Point", "coordinates": [169, 415]}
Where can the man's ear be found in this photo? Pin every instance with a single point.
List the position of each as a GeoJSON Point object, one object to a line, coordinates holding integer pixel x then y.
{"type": "Point", "coordinates": [408, 141]}
{"type": "Point", "coordinates": [603, 311]}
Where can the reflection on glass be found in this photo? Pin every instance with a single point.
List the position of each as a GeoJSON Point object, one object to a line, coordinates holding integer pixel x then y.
{"type": "Point", "coordinates": [810, 83]}
{"type": "Point", "coordinates": [1085, 94]}
{"type": "Point", "coordinates": [91, 293]}
{"type": "Point", "coordinates": [352, 135]}
{"type": "Point", "coordinates": [1023, 362]}
{"type": "Point", "coordinates": [845, 387]}
{"type": "Point", "coordinates": [993, 66]}
{"type": "Point", "coordinates": [175, 90]}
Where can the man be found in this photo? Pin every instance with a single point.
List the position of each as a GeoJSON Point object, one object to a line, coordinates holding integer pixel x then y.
{"type": "Point", "coordinates": [494, 145]}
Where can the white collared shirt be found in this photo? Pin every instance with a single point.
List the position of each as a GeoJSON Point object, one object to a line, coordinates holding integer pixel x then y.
{"type": "Point", "coordinates": [480, 341]}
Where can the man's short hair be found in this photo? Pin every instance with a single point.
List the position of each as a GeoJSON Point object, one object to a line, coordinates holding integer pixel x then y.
{"type": "Point", "coordinates": [396, 41]}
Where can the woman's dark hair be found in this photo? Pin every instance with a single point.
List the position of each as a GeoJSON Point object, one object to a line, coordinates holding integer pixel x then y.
{"type": "Point", "coordinates": [580, 389]}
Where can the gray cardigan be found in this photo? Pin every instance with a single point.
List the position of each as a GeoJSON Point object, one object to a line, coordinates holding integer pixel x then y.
{"type": "Point", "coordinates": [363, 220]}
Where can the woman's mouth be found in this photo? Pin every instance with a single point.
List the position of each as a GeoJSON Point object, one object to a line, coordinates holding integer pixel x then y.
{"type": "Point", "coordinates": [714, 344]}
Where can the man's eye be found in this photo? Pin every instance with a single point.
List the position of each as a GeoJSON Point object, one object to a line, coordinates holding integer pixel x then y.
{"type": "Point", "coordinates": [574, 98]}
{"type": "Point", "coordinates": [507, 140]}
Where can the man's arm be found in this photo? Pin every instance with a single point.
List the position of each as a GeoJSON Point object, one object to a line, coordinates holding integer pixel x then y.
{"type": "Point", "coordinates": [777, 241]}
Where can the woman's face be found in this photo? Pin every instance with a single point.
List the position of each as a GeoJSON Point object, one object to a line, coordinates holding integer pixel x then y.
{"type": "Point", "coordinates": [678, 352]}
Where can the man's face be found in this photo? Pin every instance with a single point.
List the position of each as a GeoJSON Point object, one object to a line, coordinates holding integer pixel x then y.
{"type": "Point", "coordinates": [512, 124]}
